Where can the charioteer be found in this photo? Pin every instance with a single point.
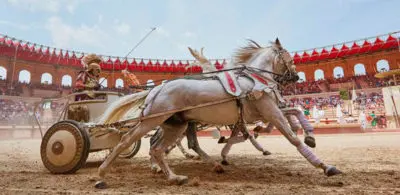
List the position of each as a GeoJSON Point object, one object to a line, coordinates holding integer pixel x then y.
{"type": "Point", "coordinates": [88, 79]}
{"type": "Point", "coordinates": [86, 83]}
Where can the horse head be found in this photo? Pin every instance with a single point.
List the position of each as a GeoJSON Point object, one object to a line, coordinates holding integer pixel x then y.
{"type": "Point", "coordinates": [285, 64]}
{"type": "Point", "coordinates": [274, 60]}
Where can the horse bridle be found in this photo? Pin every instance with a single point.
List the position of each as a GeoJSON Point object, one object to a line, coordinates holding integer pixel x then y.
{"type": "Point", "coordinates": [288, 74]}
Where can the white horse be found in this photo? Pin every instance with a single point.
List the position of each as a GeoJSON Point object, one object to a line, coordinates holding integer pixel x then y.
{"type": "Point", "coordinates": [290, 113]}
{"type": "Point", "coordinates": [207, 67]}
{"type": "Point", "coordinates": [270, 63]}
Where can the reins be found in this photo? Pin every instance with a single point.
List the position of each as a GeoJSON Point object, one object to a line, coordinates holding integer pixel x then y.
{"type": "Point", "coordinates": [241, 69]}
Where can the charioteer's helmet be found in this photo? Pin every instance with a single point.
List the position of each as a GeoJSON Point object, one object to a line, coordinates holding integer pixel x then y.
{"type": "Point", "coordinates": [92, 63]}
{"type": "Point", "coordinates": [94, 69]}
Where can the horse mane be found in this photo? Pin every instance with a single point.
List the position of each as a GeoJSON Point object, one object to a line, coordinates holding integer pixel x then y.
{"type": "Point", "coordinates": [243, 54]}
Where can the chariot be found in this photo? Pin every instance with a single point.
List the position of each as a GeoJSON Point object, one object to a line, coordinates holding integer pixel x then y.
{"type": "Point", "coordinates": [69, 139]}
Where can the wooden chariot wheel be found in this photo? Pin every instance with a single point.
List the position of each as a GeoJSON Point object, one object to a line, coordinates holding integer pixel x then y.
{"type": "Point", "coordinates": [65, 147]}
{"type": "Point", "coordinates": [131, 151]}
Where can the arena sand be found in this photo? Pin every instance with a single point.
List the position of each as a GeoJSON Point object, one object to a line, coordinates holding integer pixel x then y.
{"type": "Point", "coordinates": [370, 162]}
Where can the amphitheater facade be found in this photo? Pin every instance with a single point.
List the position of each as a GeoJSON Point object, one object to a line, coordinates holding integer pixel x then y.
{"type": "Point", "coordinates": [33, 61]}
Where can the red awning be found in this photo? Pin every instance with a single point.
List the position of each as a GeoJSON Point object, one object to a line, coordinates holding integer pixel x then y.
{"type": "Point", "coordinates": [314, 55]}
{"type": "Point", "coordinates": [117, 64]}
{"type": "Point", "coordinates": [391, 42]}
{"type": "Point", "coordinates": [157, 66]}
{"type": "Point", "coordinates": [323, 55]}
{"type": "Point", "coordinates": [354, 49]}
{"type": "Point", "coordinates": [366, 46]}
{"type": "Point", "coordinates": [141, 65]}
{"type": "Point", "coordinates": [164, 66]}
{"type": "Point", "coordinates": [333, 54]}
{"type": "Point", "coordinates": [149, 66]}
{"type": "Point", "coordinates": [24, 46]}
{"type": "Point", "coordinates": [343, 51]}
{"type": "Point", "coordinates": [132, 66]}
{"type": "Point", "coordinates": [378, 44]}
{"type": "Point", "coordinates": [296, 58]}
{"type": "Point", "coordinates": [75, 60]}
{"type": "Point", "coordinates": [9, 42]}
{"type": "Point", "coordinates": [172, 67]}
{"type": "Point", "coordinates": [124, 64]}
{"type": "Point", "coordinates": [305, 57]}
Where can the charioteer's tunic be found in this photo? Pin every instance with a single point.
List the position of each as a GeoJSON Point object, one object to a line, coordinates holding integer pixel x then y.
{"type": "Point", "coordinates": [85, 81]}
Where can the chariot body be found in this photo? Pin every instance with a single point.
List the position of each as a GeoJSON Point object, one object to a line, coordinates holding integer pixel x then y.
{"type": "Point", "coordinates": [67, 143]}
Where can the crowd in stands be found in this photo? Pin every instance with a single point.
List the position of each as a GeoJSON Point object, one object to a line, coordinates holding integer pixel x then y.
{"type": "Point", "coordinates": [319, 102]}
{"type": "Point", "coordinates": [19, 112]}
{"type": "Point", "coordinates": [370, 101]}
{"type": "Point", "coordinates": [15, 112]}
{"type": "Point", "coordinates": [363, 101]}
{"type": "Point", "coordinates": [309, 87]}
{"type": "Point", "coordinates": [305, 87]}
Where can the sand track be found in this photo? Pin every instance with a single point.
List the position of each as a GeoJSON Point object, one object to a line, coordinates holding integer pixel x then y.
{"type": "Point", "coordinates": [371, 163]}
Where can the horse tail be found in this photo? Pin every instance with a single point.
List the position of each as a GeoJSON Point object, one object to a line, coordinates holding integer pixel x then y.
{"type": "Point", "coordinates": [121, 106]}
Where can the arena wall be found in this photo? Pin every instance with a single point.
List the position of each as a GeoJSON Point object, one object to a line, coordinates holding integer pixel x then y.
{"type": "Point", "coordinates": [347, 63]}
{"type": "Point", "coordinates": [57, 72]}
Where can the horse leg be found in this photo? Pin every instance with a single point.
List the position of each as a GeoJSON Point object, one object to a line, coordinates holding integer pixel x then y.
{"type": "Point", "coordinates": [193, 144]}
{"type": "Point", "coordinates": [308, 129]}
{"type": "Point", "coordinates": [182, 149]}
{"type": "Point", "coordinates": [233, 139]}
{"type": "Point", "coordinates": [154, 166]}
{"type": "Point", "coordinates": [141, 129]}
{"type": "Point", "coordinates": [255, 142]}
{"type": "Point", "coordinates": [275, 116]}
{"type": "Point", "coordinates": [294, 125]}
{"type": "Point", "coordinates": [170, 135]}
{"type": "Point", "coordinates": [259, 129]}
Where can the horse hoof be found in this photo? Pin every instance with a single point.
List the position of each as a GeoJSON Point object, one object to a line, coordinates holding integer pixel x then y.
{"type": "Point", "coordinates": [155, 169]}
{"type": "Point", "coordinates": [266, 153]}
{"type": "Point", "coordinates": [218, 169]}
{"type": "Point", "coordinates": [178, 179]}
{"type": "Point", "coordinates": [331, 171]}
{"type": "Point", "coordinates": [196, 158]}
{"type": "Point", "coordinates": [100, 185]}
{"type": "Point", "coordinates": [310, 141]}
{"type": "Point", "coordinates": [224, 162]}
{"type": "Point", "coordinates": [221, 140]}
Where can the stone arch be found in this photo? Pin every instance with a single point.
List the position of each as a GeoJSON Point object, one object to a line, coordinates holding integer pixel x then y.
{"type": "Point", "coordinates": [382, 65]}
{"type": "Point", "coordinates": [24, 76]}
{"type": "Point", "coordinates": [150, 83]}
{"type": "Point", "coordinates": [359, 69]}
{"type": "Point", "coordinates": [302, 77]}
{"type": "Point", "coordinates": [119, 83]}
{"type": "Point", "coordinates": [103, 82]}
{"type": "Point", "coordinates": [66, 80]}
{"type": "Point", "coordinates": [46, 78]}
{"type": "Point", "coordinates": [338, 72]}
{"type": "Point", "coordinates": [3, 73]}
{"type": "Point", "coordinates": [319, 75]}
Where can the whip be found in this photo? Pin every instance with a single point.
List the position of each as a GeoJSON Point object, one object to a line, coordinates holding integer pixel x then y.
{"type": "Point", "coordinates": [136, 46]}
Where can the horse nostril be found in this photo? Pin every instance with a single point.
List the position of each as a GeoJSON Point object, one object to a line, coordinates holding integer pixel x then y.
{"type": "Point", "coordinates": [296, 78]}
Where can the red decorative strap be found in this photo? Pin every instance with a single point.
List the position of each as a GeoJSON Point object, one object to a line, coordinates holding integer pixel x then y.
{"type": "Point", "coordinates": [230, 82]}
{"type": "Point", "coordinates": [259, 78]}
